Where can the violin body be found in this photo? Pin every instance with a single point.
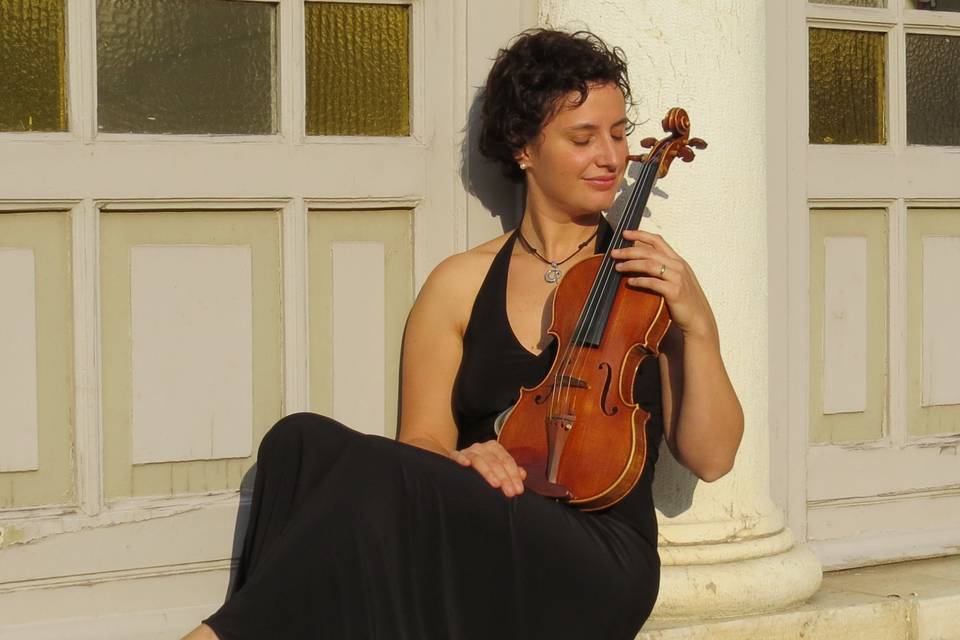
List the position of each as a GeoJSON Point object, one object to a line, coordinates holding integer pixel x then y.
{"type": "Point", "coordinates": [580, 434]}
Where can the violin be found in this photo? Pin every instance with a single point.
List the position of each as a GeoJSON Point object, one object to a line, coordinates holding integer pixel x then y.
{"type": "Point", "coordinates": [579, 433]}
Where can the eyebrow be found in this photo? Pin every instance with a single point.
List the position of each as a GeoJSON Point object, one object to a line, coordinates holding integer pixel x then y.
{"type": "Point", "coordinates": [590, 127]}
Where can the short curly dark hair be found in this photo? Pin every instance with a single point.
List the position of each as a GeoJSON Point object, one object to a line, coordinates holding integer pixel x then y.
{"type": "Point", "coordinates": [527, 81]}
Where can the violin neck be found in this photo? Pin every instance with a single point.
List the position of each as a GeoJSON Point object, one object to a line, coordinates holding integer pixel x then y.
{"type": "Point", "coordinates": [596, 308]}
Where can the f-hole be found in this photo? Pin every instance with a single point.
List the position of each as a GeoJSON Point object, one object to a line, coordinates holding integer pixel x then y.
{"type": "Point", "coordinates": [604, 396]}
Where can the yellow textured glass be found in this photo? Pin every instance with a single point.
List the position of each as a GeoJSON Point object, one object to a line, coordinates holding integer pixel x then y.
{"type": "Point", "coordinates": [935, 5]}
{"type": "Point", "coordinates": [847, 87]}
{"type": "Point", "coordinates": [853, 3]}
{"type": "Point", "coordinates": [358, 69]}
{"type": "Point", "coordinates": [33, 65]}
{"type": "Point", "coordinates": [187, 66]}
{"type": "Point", "coordinates": [933, 99]}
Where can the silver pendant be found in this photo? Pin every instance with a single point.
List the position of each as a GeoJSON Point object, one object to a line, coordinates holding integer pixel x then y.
{"type": "Point", "coordinates": [553, 273]}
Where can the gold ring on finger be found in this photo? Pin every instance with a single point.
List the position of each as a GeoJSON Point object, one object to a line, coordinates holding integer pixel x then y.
{"type": "Point", "coordinates": [663, 269]}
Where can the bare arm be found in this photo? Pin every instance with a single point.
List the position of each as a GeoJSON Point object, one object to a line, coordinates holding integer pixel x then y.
{"type": "Point", "coordinates": [432, 350]}
{"type": "Point", "coordinates": [702, 419]}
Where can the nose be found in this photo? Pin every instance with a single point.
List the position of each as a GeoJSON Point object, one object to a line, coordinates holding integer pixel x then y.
{"type": "Point", "coordinates": [607, 153]}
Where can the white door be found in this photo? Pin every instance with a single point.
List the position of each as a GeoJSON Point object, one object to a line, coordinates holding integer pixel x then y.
{"type": "Point", "coordinates": [212, 213]}
{"type": "Point", "coordinates": [871, 232]}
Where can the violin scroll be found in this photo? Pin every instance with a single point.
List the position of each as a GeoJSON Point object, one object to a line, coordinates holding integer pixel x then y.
{"type": "Point", "coordinates": [677, 145]}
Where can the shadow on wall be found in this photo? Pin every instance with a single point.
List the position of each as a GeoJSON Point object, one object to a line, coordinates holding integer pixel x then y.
{"type": "Point", "coordinates": [673, 485]}
{"type": "Point", "coordinates": [483, 179]}
{"type": "Point", "coordinates": [240, 526]}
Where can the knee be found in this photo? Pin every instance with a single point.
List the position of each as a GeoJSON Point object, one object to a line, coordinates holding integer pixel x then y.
{"type": "Point", "coordinates": [641, 589]}
{"type": "Point", "coordinates": [294, 430]}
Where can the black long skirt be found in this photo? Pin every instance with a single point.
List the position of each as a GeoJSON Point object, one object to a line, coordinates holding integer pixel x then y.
{"type": "Point", "coordinates": [354, 536]}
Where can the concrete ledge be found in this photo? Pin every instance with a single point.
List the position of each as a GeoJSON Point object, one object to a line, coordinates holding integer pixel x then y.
{"type": "Point", "coordinates": [917, 600]}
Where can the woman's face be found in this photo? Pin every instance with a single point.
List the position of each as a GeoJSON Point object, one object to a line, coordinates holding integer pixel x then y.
{"type": "Point", "coordinates": [576, 164]}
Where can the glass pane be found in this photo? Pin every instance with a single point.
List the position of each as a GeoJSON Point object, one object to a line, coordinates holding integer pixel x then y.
{"type": "Point", "coordinates": [358, 69]}
{"type": "Point", "coordinates": [186, 66]}
{"type": "Point", "coordinates": [854, 3]}
{"type": "Point", "coordinates": [847, 87]}
{"type": "Point", "coordinates": [933, 98]}
{"type": "Point", "coordinates": [33, 66]}
{"type": "Point", "coordinates": [936, 5]}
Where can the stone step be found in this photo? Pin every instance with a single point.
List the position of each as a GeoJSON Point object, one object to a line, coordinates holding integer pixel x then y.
{"type": "Point", "coordinates": [918, 600]}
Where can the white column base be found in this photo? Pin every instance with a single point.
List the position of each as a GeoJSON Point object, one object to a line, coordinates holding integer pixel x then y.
{"type": "Point", "coordinates": [725, 589]}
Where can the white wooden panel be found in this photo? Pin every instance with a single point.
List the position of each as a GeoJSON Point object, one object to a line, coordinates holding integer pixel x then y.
{"type": "Point", "coordinates": [941, 320]}
{"type": "Point", "coordinates": [845, 325]}
{"type": "Point", "coordinates": [192, 334]}
{"type": "Point", "coordinates": [836, 472]}
{"type": "Point", "coordinates": [243, 169]}
{"type": "Point", "coordinates": [358, 335]}
{"type": "Point", "coordinates": [18, 361]}
{"type": "Point", "coordinates": [870, 531]}
{"type": "Point", "coordinates": [885, 546]}
{"type": "Point", "coordinates": [161, 537]}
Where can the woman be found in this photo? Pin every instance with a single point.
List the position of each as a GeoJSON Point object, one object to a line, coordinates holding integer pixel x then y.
{"type": "Point", "coordinates": [355, 536]}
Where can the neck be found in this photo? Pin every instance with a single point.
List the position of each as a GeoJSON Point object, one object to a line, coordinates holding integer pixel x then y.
{"type": "Point", "coordinates": [556, 237]}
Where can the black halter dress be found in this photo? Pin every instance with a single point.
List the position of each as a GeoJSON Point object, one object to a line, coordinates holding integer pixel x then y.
{"type": "Point", "coordinates": [354, 536]}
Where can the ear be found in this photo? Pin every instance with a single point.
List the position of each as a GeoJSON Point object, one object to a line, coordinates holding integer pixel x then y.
{"type": "Point", "coordinates": [523, 158]}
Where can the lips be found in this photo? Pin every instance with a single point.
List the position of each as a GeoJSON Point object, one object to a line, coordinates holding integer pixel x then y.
{"type": "Point", "coordinates": [602, 182]}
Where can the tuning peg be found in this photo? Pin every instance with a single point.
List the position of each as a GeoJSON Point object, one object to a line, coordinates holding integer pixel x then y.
{"type": "Point", "coordinates": [648, 143]}
{"type": "Point", "coordinates": [697, 143]}
{"type": "Point", "coordinates": [686, 154]}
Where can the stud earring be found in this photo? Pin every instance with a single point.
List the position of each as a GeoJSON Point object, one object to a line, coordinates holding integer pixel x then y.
{"type": "Point", "coordinates": [523, 167]}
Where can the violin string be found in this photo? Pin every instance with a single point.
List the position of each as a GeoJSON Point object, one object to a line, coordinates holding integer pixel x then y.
{"type": "Point", "coordinates": [599, 282]}
{"type": "Point", "coordinates": [594, 301]}
{"type": "Point", "coordinates": [590, 314]}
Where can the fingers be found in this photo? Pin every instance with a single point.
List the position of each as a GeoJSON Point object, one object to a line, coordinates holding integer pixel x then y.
{"type": "Point", "coordinates": [495, 464]}
{"type": "Point", "coordinates": [645, 251]}
{"type": "Point", "coordinates": [511, 467]}
{"type": "Point", "coordinates": [665, 270]}
{"type": "Point", "coordinates": [668, 290]}
{"type": "Point", "coordinates": [654, 239]}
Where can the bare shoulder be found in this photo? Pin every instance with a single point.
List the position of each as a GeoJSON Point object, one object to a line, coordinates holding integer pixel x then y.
{"type": "Point", "coordinates": [452, 286]}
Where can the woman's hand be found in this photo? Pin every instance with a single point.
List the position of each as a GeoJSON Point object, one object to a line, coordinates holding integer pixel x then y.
{"type": "Point", "coordinates": [662, 270]}
{"type": "Point", "coordinates": [495, 464]}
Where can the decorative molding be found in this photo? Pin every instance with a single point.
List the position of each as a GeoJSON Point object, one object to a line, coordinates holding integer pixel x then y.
{"type": "Point", "coordinates": [360, 203]}
{"type": "Point", "coordinates": [191, 205]}
{"type": "Point", "coordinates": [946, 491]}
{"type": "Point", "coordinates": [38, 205]}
